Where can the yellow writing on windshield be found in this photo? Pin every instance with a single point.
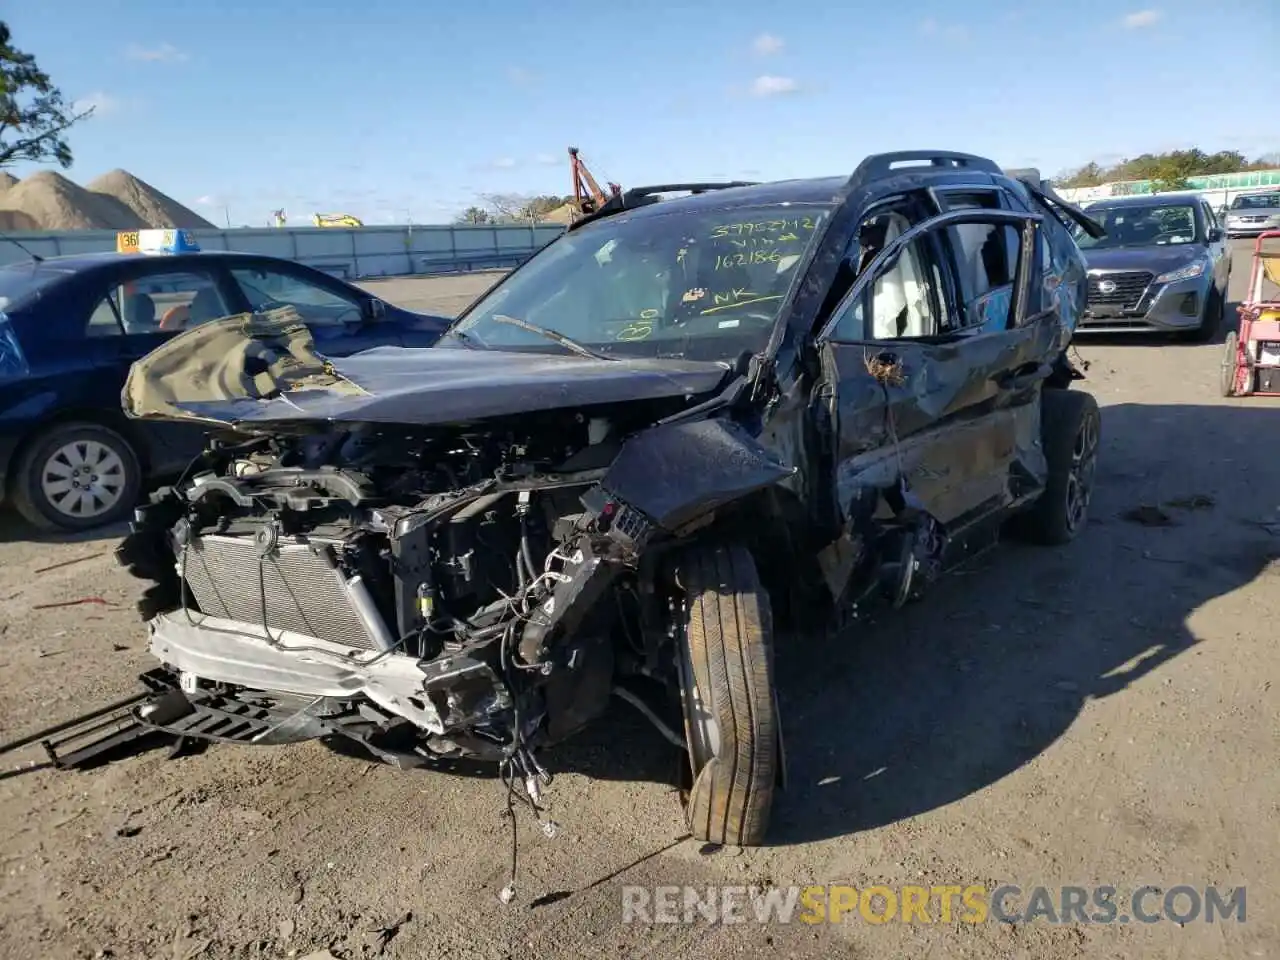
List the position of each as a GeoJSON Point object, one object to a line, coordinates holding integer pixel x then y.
{"type": "Point", "coordinates": [764, 228]}
{"type": "Point", "coordinates": [737, 297]}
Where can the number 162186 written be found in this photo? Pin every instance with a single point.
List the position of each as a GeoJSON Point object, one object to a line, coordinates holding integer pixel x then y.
{"type": "Point", "coordinates": [746, 258]}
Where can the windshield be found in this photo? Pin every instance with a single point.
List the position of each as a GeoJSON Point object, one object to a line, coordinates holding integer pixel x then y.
{"type": "Point", "coordinates": [1135, 226]}
{"type": "Point", "coordinates": [20, 281]}
{"type": "Point", "coordinates": [1257, 202]}
{"type": "Point", "coordinates": [703, 284]}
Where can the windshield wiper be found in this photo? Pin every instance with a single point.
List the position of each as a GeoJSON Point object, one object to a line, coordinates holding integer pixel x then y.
{"type": "Point", "coordinates": [557, 336]}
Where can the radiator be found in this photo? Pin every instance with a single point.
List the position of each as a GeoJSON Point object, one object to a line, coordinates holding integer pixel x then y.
{"type": "Point", "coordinates": [303, 591]}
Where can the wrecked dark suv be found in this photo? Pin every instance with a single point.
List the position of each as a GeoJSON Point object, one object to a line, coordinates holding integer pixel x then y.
{"type": "Point", "coordinates": [681, 426]}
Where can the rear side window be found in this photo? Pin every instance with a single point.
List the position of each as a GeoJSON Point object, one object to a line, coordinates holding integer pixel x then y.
{"type": "Point", "coordinates": [21, 282]}
{"type": "Point", "coordinates": [159, 302]}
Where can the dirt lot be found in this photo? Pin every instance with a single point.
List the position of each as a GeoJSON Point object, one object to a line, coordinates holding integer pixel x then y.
{"type": "Point", "coordinates": [1107, 713]}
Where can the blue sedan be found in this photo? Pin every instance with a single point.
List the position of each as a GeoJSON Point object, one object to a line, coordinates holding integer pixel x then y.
{"type": "Point", "coordinates": [70, 327]}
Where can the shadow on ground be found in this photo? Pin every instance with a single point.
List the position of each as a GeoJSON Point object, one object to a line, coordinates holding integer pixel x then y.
{"type": "Point", "coordinates": [13, 529]}
{"type": "Point", "coordinates": [933, 703]}
{"type": "Point", "coordinates": [928, 705]}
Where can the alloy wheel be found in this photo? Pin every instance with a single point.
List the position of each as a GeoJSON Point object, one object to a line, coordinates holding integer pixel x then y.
{"type": "Point", "coordinates": [1084, 460]}
{"type": "Point", "coordinates": [83, 479]}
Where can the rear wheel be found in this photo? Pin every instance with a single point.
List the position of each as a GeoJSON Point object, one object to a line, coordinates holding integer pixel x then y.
{"type": "Point", "coordinates": [1071, 431]}
{"type": "Point", "coordinates": [726, 674]}
{"type": "Point", "coordinates": [76, 477]}
{"type": "Point", "coordinates": [1228, 371]}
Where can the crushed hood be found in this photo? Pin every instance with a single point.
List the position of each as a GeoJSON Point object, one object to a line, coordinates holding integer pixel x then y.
{"type": "Point", "coordinates": [254, 370]}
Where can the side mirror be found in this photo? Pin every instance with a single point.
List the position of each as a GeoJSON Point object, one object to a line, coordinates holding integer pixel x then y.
{"type": "Point", "coordinates": [374, 309]}
{"type": "Point", "coordinates": [1214, 234]}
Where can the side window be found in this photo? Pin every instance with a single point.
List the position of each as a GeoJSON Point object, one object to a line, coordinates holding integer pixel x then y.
{"type": "Point", "coordinates": [162, 302]}
{"type": "Point", "coordinates": [904, 301]}
{"type": "Point", "coordinates": [986, 258]}
{"type": "Point", "coordinates": [105, 319]}
{"type": "Point", "coordinates": [270, 289]}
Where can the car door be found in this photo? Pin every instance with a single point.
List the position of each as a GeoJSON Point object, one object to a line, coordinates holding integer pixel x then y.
{"type": "Point", "coordinates": [141, 306]}
{"type": "Point", "coordinates": [1216, 241]}
{"type": "Point", "coordinates": [338, 316]}
{"type": "Point", "coordinates": [932, 393]}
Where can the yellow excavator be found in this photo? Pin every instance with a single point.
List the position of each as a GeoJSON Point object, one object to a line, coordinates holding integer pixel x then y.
{"type": "Point", "coordinates": [335, 220]}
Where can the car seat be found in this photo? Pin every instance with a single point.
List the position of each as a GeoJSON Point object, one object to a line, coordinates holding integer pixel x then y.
{"type": "Point", "coordinates": [139, 313]}
{"type": "Point", "coordinates": [206, 306]}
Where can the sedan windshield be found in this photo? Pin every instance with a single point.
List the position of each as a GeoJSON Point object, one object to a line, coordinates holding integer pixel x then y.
{"type": "Point", "coordinates": [1136, 226]}
{"type": "Point", "coordinates": [697, 283]}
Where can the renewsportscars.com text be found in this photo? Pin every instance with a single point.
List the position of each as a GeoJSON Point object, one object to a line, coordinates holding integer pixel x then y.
{"type": "Point", "coordinates": [1007, 903]}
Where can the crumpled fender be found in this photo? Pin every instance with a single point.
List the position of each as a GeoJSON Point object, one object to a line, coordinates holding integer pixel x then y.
{"type": "Point", "coordinates": [675, 473]}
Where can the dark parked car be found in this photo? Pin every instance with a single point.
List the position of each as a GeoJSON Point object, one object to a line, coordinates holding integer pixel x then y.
{"type": "Point", "coordinates": [71, 326]}
{"type": "Point", "coordinates": [680, 420]}
{"type": "Point", "coordinates": [1163, 266]}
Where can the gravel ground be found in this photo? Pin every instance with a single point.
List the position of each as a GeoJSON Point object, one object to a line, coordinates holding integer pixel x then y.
{"type": "Point", "coordinates": [1105, 713]}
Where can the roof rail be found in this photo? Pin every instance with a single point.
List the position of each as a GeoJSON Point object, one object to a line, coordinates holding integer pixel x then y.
{"type": "Point", "coordinates": [881, 165]}
{"type": "Point", "coordinates": [642, 196]}
{"type": "Point", "coordinates": [642, 193]}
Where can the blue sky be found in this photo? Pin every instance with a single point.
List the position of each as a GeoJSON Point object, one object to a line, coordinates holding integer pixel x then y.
{"type": "Point", "coordinates": [391, 109]}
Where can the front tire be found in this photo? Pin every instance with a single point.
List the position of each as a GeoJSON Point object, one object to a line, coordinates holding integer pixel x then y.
{"type": "Point", "coordinates": [1210, 320]}
{"type": "Point", "coordinates": [1071, 431]}
{"type": "Point", "coordinates": [78, 476]}
{"type": "Point", "coordinates": [731, 717]}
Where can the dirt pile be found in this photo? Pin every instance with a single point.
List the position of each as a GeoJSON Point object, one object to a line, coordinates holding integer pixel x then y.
{"type": "Point", "coordinates": [153, 207]}
{"type": "Point", "coordinates": [115, 201]}
{"type": "Point", "coordinates": [561, 214]}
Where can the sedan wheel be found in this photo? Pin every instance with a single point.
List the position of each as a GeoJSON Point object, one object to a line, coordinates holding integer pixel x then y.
{"type": "Point", "coordinates": [78, 477]}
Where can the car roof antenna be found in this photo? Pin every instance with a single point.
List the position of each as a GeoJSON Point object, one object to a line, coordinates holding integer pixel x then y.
{"type": "Point", "coordinates": [34, 256]}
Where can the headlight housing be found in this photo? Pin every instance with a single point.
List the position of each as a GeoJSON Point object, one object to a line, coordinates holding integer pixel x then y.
{"type": "Point", "coordinates": [1193, 269]}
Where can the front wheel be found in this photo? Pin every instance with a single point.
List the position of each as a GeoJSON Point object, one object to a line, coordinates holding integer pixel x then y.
{"type": "Point", "coordinates": [1210, 319]}
{"type": "Point", "coordinates": [726, 681]}
{"type": "Point", "coordinates": [76, 477]}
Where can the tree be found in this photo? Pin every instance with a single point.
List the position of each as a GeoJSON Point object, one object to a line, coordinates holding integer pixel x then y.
{"type": "Point", "coordinates": [474, 215]}
{"type": "Point", "coordinates": [1168, 171]}
{"type": "Point", "coordinates": [507, 207]}
{"type": "Point", "coordinates": [33, 115]}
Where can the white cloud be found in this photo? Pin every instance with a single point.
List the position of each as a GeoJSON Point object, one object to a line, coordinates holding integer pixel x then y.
{"type": "Point", "coordinates": [953, 32]}
{"type": "Point", "coordinates": [767, 44]}
{"type": "Point", "coordinates": [767, 86]}
{"type": "Point", "coordinates": [100, 103]}
{"type": "Point", "coordinates": [164, 53]}
{"type": "Point", "coordinates": [546, 160]}
{"type": "Point", "coordinates": [505, 163]}
{"type": "Point", "coordinates": [1141, 18]}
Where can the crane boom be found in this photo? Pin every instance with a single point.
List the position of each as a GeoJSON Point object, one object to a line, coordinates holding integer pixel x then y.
{"type": "Point", "coordinates": [587, 195]}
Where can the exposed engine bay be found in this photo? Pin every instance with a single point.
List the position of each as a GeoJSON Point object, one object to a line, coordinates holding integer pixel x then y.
{"type": "Point", "coordinates": [433, 593]}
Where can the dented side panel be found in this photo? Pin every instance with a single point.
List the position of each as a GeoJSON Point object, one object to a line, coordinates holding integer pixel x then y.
{"type": "Point", "coordinates": [957, 423]}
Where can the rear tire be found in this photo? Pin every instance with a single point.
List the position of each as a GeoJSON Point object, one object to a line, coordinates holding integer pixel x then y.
{"type": "Point", "coordinates": [1071, 432]}
{"type": "Point", "coordinates": [731, 717]}
{"type": "Point", "coordinates": [1227, 372]}
{"type": "Point", "coordinates": [77, 476]}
